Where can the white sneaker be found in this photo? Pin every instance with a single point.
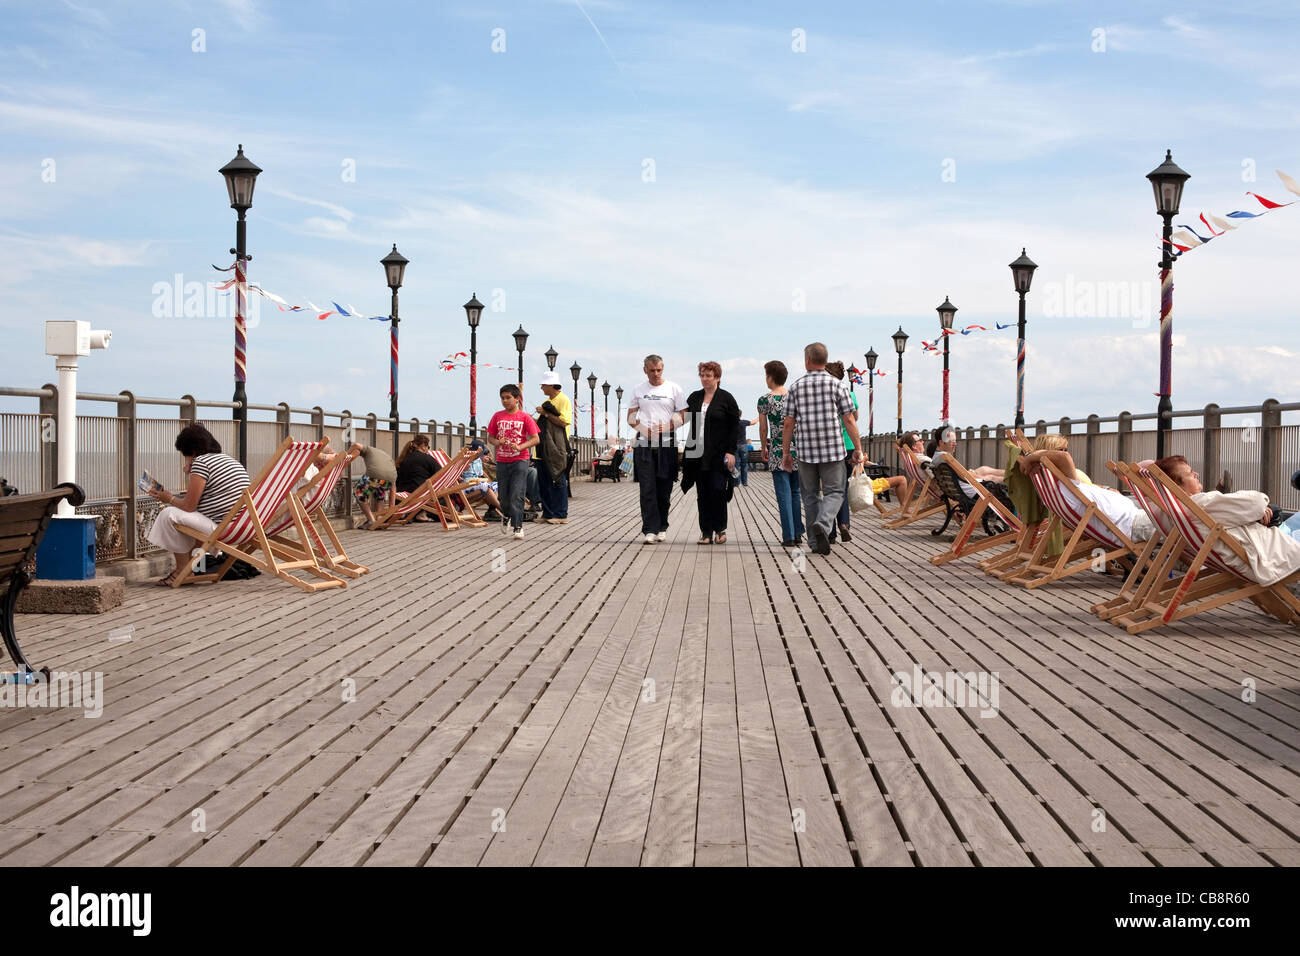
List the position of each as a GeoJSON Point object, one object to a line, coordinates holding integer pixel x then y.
{"type": "Point", "coordinates": [650, 539]}
{"type": "Point", "coordinates": [662, 536]}
{"type": "Point", "coordinates": [519, 535]}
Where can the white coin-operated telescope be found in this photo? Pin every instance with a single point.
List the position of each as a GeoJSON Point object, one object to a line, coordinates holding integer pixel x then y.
{"type": "Point", "coordinates": [67, 341]}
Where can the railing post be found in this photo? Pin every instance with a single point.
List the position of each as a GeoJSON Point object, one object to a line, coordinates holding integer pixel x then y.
{"type": "Point", "coordinates": [49, 412]}
{"type": "Point", "coordinates": [460, 433]}
{"type": "Point", "coordinates": [127, 446]}
{"type": "Point", "coordinates": [1090, 443]}
{"type": "Point", "coordinates": [283, 417]}
{"type": "Point", "coordinates": [189, 409]}
{"type": "Point", "coordinates": [1040, 428]}
{"type": "Point", "coordinates": [1270, 425]}
{"type": "Point", "coordinates": [984, 443]}
{"type": "Point", "coordinates": [349, 436]}
{"type": "Point", "coordinates": [1064, 426]}
{"type": "Point", "coordinates": [372, 423]}
{"type": "Point", "coordinates": [318, 421]}
{"type": "Point", "coordinates": [1210, 425]}
{"type": "Point", "coordinates": [1124, 436]}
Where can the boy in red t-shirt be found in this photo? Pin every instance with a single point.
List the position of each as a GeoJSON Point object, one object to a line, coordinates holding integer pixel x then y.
{"type": "Point", "coordinates": [512, 432]}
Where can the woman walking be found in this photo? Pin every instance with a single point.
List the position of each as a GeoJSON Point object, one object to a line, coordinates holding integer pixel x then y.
{"type": "Point", "coordinates": [710, 455]}
{"type": "Point", "coordinates": [771, 415]}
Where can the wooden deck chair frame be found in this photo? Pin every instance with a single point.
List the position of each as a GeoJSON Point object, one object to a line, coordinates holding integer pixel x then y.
{"type": "Point", "coordinates": [926, 499]}
{"type": "Point", "coordinates": [961, 545]}
{"type": "Point", "coordinates": [448, 499]}
{"type": "Point", "coordinates": [322, 540]}
{"type": "Point", "coordinates": [422, 499]}
{"type": "Point", "coordinates": [1162, 601]}
{"type": "Point", "coordinates": [277, 478]}
{"type": "Point", "coordinates": [1090, 531]}
{"type": "Point", "coordinates": [1008, 562]}
{"type": "Point", "coordinates": [1152, 554]}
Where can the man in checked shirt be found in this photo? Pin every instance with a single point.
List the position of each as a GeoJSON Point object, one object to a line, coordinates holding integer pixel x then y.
{"type": "Point", "coordinates": [815, 407]}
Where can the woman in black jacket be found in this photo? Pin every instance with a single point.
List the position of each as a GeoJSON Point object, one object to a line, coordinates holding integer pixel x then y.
{"type": "Point", "coordinates": [710, 451]}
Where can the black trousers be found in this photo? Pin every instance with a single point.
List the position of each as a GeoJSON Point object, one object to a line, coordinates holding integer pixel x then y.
{"type": "Point", "coordinates": [711, 499]}
{"type": "Point", "coordinates": [656, 473]}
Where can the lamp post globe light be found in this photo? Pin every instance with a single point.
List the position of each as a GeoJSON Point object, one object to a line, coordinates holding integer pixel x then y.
{"type": "Point", "coordinates": [551, 356]}
{"type": "Point", "coordinates": [1167, 181]}
{"type": "Point", "coordinates": [618, 416]}
{"type": "Point", "coordinates": [947, 312]}
{"type": "Point", "coordinates": [900, 344]}
{"type": "Point", "coordinates": [394, 272]}
{"type": "Point", "coordinates": [871, 357]}
{"type": "Point", "coordinates": [473, 312]}
{"type": "Point", "coordinates": [241, 178]}
{"type": "Point", "coordinates": [605, 388]}
{"type": "Point", "coordinates": [1022, 274]}
{"type": "Point", "coordinates": [576, 371]}
{"type": "Point", "coordinates": [521, 343]}
{"type": "Point", "coordinates": [591, 383]}
{"type": "Point", "coordinates": [852, 373]}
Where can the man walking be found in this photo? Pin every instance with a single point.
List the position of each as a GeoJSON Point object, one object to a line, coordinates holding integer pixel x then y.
{"type": "Point", "coordinates": [815, 408]}
{"type": "Point", "coordinates": [656, 410]}
{"type": "Point", "coordinates": [554, 416]}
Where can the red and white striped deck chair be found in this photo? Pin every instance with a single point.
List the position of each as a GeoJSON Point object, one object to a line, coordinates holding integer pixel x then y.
{"type": "Point", "coordinates": [1139, 582]}
{"type": "Point", "coordinates": [1193, 536]}
{"type": "Point", "coordinates": [926, 498]}
{"type": "Point", "coordinates": [1093, 538]}
{"type": "Point", "coordinates": [456, 495]}
{"type": "Point", "coordinates": [324, 543]}
{"type": "Point", "coordinates": [984, 500]}
{"type": "Point", "coordinates": [425, 498]}
{"type": "Point", "coordinates": [242, 532]}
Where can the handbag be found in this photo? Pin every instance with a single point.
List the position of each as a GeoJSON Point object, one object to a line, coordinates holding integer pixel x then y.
{"type": "Point", "coordinates": [860, 493]}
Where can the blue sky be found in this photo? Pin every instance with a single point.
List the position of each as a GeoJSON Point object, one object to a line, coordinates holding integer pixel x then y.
{"type": "Point", "coordinates": [781, 177]}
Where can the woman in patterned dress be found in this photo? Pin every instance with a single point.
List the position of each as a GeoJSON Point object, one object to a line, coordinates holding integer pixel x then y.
{"type": "Point", "coordinates": [771, 414]}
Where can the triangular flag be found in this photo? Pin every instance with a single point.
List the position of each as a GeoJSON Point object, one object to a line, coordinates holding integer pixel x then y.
{"type": "Point", "coordinates": [1291, 185]}
{"type": "Point", "coordinates": [1267, 203]}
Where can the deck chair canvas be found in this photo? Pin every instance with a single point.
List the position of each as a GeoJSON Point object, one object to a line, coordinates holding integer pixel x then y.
{"type": "Point", "coordinates": [241, 534]}
{"type": "Point", "coordinates": [926, 498]}
{"type": "Point", "coordinates": [1092, 537]}
{"type": "Point", "coordinates": [456, 495]}
{"type": "Point", "coordinates": [425, 498]}
{"type": "Point", "coordinates": [1192, 540]}
{"type": "Point", "coordinates": [1153, 554]}
{"type": "Point", "coordinates": [321, 539]}
{"type": "Point", "coordinates": [985, 502]}
{"type": "Point", "coordinates": [1020, 553]}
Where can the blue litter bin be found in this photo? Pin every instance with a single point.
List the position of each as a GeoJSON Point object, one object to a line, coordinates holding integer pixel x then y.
{"type": "Point", "coordinates": [67, 552]}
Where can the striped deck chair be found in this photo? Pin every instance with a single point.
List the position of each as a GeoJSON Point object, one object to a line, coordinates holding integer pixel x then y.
{"type": "Point", "coordinates": [976, 515]}
{"type": "Point", "coordinates": [1192, 540]}
{"type": "Point", "coordinates": [242, 532]}
{"type": "Point", "coordinates": [456, 495]}
{"type": "Point", "coordinates": [1139, 582]}
{"type": "Point", "coordinates": [424, 499]}
{"type": "Point", "coordinates": [1093, 537]}
{"type": "Point", "coordinates": [1007, 562]}
{"type": "Point", "coordinates": [926, 498]}
{"type": "Point", "coordinates": [322, 540]}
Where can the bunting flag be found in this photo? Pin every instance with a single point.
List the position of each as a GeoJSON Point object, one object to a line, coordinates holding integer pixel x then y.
{"type": "Point", "coordinates": [1000, 326]}
{"type": "Point", "coordinates": [973, 328]}
{"type": "Point", "coordinates": [284, 305]}
{"type": "Point", "coordinates": [1187, 238]}
{"type": "Point", "coordinates": [461, 360]}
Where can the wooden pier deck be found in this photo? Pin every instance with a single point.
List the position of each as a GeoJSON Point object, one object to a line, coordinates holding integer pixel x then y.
{"type": "Point", "coordinates": [604, 702]}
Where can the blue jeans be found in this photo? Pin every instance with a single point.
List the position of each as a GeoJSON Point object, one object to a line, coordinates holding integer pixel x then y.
{"type": "Point", "coordinates": [742, 462]}
{"type": "Point", "coordinates": [512, 481]}
{"type": "Point", "coordinates": [554, 492]}
{"type": "Point", "coordinates": [533, 494]}
{"type": "Point", "coordinates": [787, 502]}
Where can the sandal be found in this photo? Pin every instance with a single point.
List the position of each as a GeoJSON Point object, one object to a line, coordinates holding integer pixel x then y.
{"type": "Point", "coordinates": [720, 538]}
{"type": "Point", "coordinates": [705, 541]}
{"type": "Point", "coordinates": [166, 582]}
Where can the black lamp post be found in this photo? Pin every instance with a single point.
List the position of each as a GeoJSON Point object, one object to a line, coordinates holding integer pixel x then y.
{"type": "Point", "coordinates": [852, 373]}
{"type": "Point", "coordinates": [241, 176]}
{"type": "Point", "coordinates": [551, 356]}
{"type": "Point", "coordinates": [473, 312]}
{"type": "Point", "coordinates": [1167, 181]}
{"type": "Point", "coordinates": [618, 417]}
{"type": "Point", "coordinates": [591, 383]}
{"type": "Point", "coordinates": [575, 370]}
{"type": "Point", "coordinates": [394, 271]}
{"type": "Point", "coordinates": [521, 342]}
{"type": "Point", "coordinates": [900, 343]}
{"type": "Point", "coordinates": [947, 311]}
{"type": "Point", "coordinates": [871, 357]}
{"type": "Point", "coordinates": [605, 388]}
{"type": "Point", "coordinates": [1022, 273]}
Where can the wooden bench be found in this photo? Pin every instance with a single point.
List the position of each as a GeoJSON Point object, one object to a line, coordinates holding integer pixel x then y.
{"type": "Point", "coordinates": [23, 520]}
{"type": "Point", "coordinates": [609, 469]}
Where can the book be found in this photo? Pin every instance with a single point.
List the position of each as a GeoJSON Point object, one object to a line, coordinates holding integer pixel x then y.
{"type": "Point", "coordinates": [148, 482]}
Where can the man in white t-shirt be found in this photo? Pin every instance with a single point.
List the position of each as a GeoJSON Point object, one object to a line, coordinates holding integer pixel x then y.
{"type": "Point", "coordinates": [656, 410]}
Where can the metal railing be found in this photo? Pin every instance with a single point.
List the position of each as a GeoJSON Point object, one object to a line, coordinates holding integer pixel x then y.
{"type": "Point", "coordinates": [1260, 451]}
{"type": "Point", "coordinates": [113, 448]}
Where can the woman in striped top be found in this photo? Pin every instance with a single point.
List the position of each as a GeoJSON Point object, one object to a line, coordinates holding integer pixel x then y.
{"type": "Point", "coordinates": [216, 482]}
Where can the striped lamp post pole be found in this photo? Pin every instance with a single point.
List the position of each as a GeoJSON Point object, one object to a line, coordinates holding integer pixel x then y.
{"type": "Point", "coordinates": [473, 313]}
{"type": "Point", "coordinates": [241, 177]}
{"type": "Point", "coordinates": [871, 357]}
{"type": "Point", "coordinates": [1167, 181]}
{"type": "Point", "coordinates": [900, 343]}
{"type": "Point", "coordinates": [1022, 273]}
{"type": "Point", "coordinates": [394, 271]}
{"type": "Point", "coordinates": [947, 312]}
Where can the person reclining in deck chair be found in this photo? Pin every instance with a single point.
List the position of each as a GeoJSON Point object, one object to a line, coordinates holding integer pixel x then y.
{"type": "Point", "coordinates": [1272, 552]}
{"type": "Point", "coordinates": [1119, 508]}
{"type": "Point", "coordinates": [486, 489]}
{"type": "Point", "coordinates": [946, 444]}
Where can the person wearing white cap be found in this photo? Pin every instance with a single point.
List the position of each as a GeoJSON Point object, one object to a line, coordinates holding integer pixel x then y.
{"type": "Point", "coordinates": [554, 416]}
